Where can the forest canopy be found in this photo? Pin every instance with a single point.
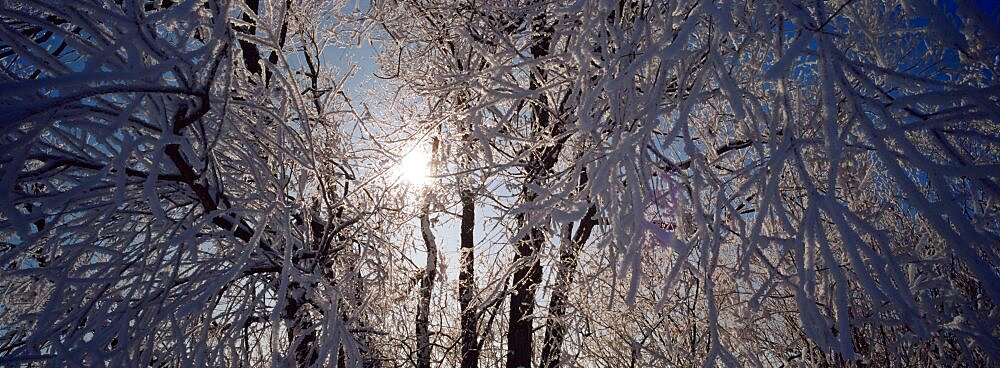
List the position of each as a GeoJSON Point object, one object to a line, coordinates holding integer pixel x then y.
{"type": "Point", "coordinates": [518, 183]}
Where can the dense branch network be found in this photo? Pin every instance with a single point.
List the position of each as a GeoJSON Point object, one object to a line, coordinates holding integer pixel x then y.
{"type": "Point", "coordinates": [632, 182]}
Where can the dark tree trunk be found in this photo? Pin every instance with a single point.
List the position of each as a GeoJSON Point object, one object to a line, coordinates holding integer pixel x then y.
{"type": "Point", "coordinates": [528, 273]}
{"type": "Point", "coordinates": [427, 279]}
{"type": "Point", "coordinates": [555, 326]}
{"type": "Point", "coordinates": [426, 290]}
{"type": "Point", "coordinates": [522, 301]}
{"type": "Point", "coordinates": [467, 283]}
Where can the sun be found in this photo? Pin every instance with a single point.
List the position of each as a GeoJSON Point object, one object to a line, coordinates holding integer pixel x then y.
{"type": "Point", "coordinates": [414, 167]}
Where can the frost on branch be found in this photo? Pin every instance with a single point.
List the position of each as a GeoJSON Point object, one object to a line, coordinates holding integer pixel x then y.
{"type": "Point", "coordinates": [665, 183]}
{"type": "Point", "coordinates": [174, 192]}
{"type": "Point", "coordinates": [835, 166]}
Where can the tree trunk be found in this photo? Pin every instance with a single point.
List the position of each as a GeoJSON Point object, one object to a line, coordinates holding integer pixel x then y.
{"type": "Point", "coordinates": [522, 301]}
{"type": "Point", "coordinates": [428, 277]}
{"type": "Point", "coordinates": [467, 283]}
{"type": "Point", "coordinates": [528, 272]}
{"type": "Point", "coordinates": [555, 326]}
{"type": "Point", "coordinates": [426, 289]}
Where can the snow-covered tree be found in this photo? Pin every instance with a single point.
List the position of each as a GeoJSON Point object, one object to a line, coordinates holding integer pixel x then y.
{"type": "Point", "coordinates": [820, 170]}
{"type": "Point", "coordinates": [177, 185]}
{"type": "Point", "coordinates": [635, 183]}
